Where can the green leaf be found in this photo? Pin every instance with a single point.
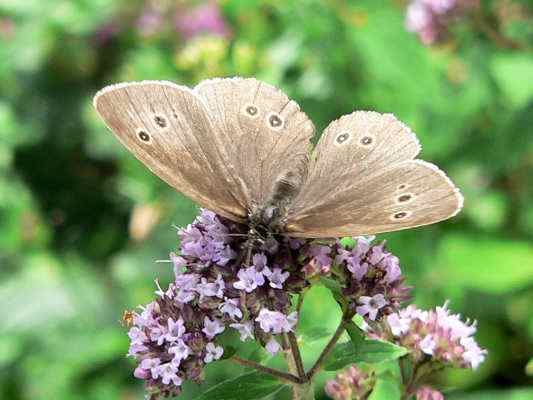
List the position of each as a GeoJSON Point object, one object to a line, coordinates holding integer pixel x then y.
{"type": "Point", "coordinates": [355, 333]}
{"type": "Point", "coordinates": [387, 388]}
{"type": "Point", "coordinates": [334, 286]}
{"type": "Point", "coordinates": [348, 242]}
{"type": "Point", "coordinates": [368, 351]}
{"type": "Point", "coordinates": [529, 367]}
{"type": "Point", "coordinates": [506, 68]}
{"type": "Point", "coordinates": [315, 333]}
{"type": "Point", "coordinates": [495, 266]}
{"type": "Point", "coordinates": [248, 386]}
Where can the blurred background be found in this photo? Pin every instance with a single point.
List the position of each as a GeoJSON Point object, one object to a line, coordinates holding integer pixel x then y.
{"type": "Point", "coordinates": [82, 222]}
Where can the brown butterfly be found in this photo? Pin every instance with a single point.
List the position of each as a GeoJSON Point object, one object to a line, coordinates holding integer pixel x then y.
{"type": "Point", "coordinates": [241, 148]}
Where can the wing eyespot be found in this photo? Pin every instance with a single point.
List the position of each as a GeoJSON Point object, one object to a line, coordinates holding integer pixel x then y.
{"type": "Point", "coordinates": [160, 121]}
{"type": "Point", "coordinates": [400, 215]}
{"type": "Point", "coordinates": [404, 198]}
{"type": "Point", "coordinates": [274, 121]}
{"type": "Point", "coordinates": [251, 110]}
{"type": "Point", "coordinates": [143, 136]}
{"type": "Point", "coordinates": [342, 138]}
{"type": "Point", "coordinates": [367, 141]}
{"type": "Point", "coordinates": [402, 186]}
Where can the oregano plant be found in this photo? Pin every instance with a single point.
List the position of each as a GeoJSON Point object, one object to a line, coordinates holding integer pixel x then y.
{"type": "Point", "coordinates": [382, 348]}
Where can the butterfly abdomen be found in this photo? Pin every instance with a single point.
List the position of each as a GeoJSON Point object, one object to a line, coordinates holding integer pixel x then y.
{"type": "Point", "coordinates": [286, 187]}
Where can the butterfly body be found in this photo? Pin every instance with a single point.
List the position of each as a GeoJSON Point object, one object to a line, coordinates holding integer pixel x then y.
{"type": "Point", "coordinates": [241, 148]}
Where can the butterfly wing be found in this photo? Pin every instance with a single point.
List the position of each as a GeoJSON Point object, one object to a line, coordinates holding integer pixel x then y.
{"type": "Point", "coordinates": [167, 127]}
{"type": "Point", "coordinates": [263, 133]}
{"type": "Point", "coordinates": [363, 179]}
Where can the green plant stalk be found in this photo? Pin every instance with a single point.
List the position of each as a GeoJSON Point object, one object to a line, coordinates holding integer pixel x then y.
{"type": "Point", "coordinates": [303, 390]}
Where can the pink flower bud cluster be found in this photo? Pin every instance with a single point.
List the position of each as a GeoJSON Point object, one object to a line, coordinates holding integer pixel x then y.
{"type": "Point", "coordinates": [350, 384]}
{"type": "Point", "coordinates": [435, 335]}
{"type": "Point", "coordinates": [428, 393]}
{"type": "Point", "coordinates": [430, 18]}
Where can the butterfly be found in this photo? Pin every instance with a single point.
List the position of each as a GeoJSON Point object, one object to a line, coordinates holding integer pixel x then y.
{"type": "Point", "coordinates": [241, 148]}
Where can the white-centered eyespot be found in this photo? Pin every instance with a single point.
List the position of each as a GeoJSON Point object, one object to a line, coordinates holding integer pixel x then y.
{"type": "Point", "coordinates": [342, 138]}
{"type": "Point", "coordinates": [250, 110]}
{"type": "Point", "coordinates": [143, 135]}
{"type": "Point", "coordinates": [160, 121]}
{"type": "Point", "coordinates": [274, 121]}
{"type": "Point", "coordinates": [400, 215]}
{"type": "Point", "coordinates": [367, 141]}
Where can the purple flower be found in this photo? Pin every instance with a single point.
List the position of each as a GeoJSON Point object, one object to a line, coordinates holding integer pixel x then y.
{"type": "Point", "coordinates": [186, 285]}
{"type": "Point", "coordinates": [397, 324]}
{"type": "Point", "coordinates": [205, 18]}
{"type": "Point", "coordinates": [212, 352]}
{"type": "Point", "coordinates": [430, 18]}
{"type": "Point", "coordinates": [180, 350]}
{"type": "Point", "coordinates": [210, 289]}
{"type": "Point", "coordinates": [357, 268]}
{"type": "Point", "coordinates": [245, 329]}
{"type": "Point", "coordinates": [392, 267]}
{"type": "Point", "coordinates": [150, 364]}
{"type": "Point", "coordinates": [140, 373]}
{"type": "Point", "coordinates": [473, 354]}
{"type": "Point", "coordinates": [158, 334]}
{"type": "Point", "coordinates": [212, 327]}
{"type": "Point", "coordinates": [145, 318]}
{"type": "Point", "coordinates": [136, 348]}
{"type": "Point", "coordinates": [178, 262]}
{"type": "Point", "coordinates": [440, 6]}
{"type": "Point", "coordinates": [371, 305]}
{"type": "Point", "coordinates": [176, 329]}
{"type": "Point", "coordinates": [259, 261]}
{"type": "Point", "coordinates": [276, 277]}
{"type": "Point", "coordinates": [272, 346]}
{"type": "Point", "coordinates": [320, 254]}
{"type": "Point", "coordinates": [276, 322]}
{"type": "Point", "coordinates": [427, 345]}
{"type": "Point", "coordinates": [162, 293]}
{"type": "Point", "coordinates": [231, 307]}
{"type": "Point", "coordinates": [137, 336]}
{"type": "Point", "coordinates": [249, 279]}
{"type": "Point", "coordinates": [453, 322]}
{"type": "Point", "coordinates": [167, 372]}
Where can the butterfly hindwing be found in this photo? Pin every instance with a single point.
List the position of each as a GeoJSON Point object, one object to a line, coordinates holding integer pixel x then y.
{"type": "Point", "coordinates": [360, 170]}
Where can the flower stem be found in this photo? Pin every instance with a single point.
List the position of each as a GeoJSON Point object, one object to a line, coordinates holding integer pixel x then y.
{"type": "Point", "coordinates": [328, 349]}
{"type": "Point", "coordinates": [297, 357]}
{"type": "Point", "coordinates": [284, 376]}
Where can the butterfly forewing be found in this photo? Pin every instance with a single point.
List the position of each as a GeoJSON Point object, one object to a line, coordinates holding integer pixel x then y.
{"type": "Point", "coordinates": [264, 134]}
{"type": "Point", "coordinates": [167, 127]}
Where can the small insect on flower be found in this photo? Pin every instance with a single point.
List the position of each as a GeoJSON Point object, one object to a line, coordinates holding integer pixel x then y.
{"type": "Point", "coordinates": [127, 318]}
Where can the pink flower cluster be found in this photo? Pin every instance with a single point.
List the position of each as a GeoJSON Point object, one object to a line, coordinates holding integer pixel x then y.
{"type": "Point", "coordinates": [352, 383]}
{"type": "Point", "coordinates": [435, 334]}
{"type": "Point", "coordinates": [430, 18]}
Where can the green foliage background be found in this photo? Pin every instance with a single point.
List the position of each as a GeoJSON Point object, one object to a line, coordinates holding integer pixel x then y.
{"type": "Point", "coordinates": [73, 202]}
